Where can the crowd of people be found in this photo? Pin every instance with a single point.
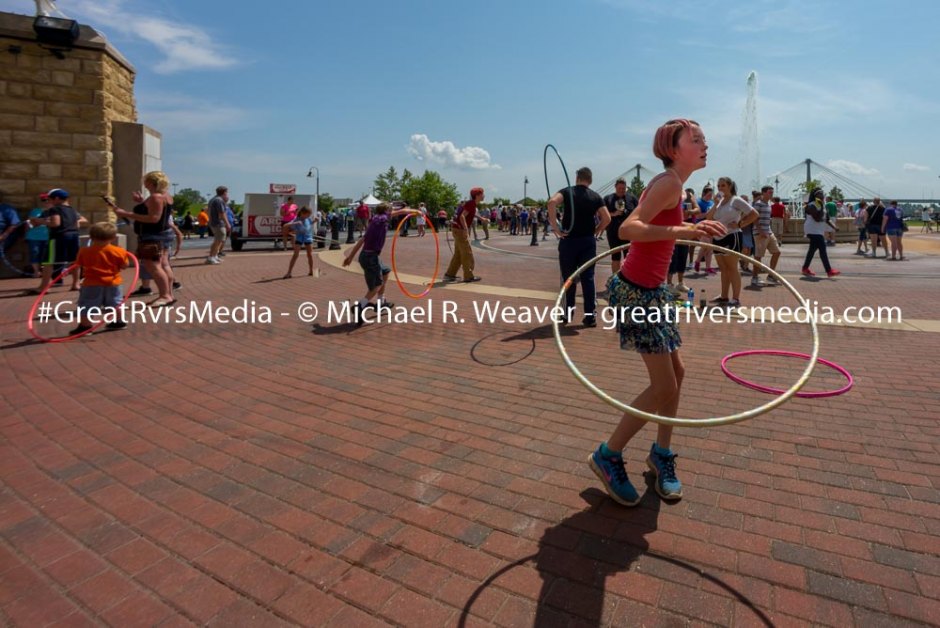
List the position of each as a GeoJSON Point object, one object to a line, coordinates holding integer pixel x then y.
{"type": "Point", "coordinates": [649, 274]}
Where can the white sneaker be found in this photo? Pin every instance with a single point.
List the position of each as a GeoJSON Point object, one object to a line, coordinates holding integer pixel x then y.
{"type": "Point", "coordinates": [755, 281]}
{"type": "Point", "coordinates": [681, 287]}
{"type": "Point", "coordinates": [212, 260]}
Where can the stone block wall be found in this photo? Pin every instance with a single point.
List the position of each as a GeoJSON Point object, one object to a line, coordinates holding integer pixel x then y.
{"type": "Point", "coordinates": [56, 115]}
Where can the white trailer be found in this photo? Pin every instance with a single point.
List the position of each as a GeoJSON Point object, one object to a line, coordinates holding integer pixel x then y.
{"type": "Point", "coordinates": [261, 218]}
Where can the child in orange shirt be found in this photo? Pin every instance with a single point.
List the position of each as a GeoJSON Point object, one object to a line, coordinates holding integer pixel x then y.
{"type": "Point", "coordinates": [101, 265]}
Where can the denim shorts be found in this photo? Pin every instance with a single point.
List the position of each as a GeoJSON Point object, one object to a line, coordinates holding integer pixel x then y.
{"type": "Point", "coordinates": [374, 269]}
{"type": "Point", "coordinates": [747, 240]}
{"type": "Point", "coordinates": [100, 296]}
{"type": "Point", "coordinates": [38, 250]}
{"type": "Point", "coordinates": [897, 233]}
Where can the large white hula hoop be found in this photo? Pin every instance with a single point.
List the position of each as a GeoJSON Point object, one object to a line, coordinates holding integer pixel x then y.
{"type": "Point", "coordinates": [682, 421]}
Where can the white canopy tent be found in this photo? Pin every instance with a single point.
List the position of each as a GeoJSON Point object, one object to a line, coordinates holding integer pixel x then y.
{"type": "Point", "coordinates": [371, 201]}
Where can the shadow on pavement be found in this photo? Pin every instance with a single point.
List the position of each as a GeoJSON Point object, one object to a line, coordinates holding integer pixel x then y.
{"type": "Point", "coordinates": [575, 559]}
{"type": "Point", "coordinates": [494, 355]}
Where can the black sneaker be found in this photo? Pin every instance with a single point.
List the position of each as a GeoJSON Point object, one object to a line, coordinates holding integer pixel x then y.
{"type": "Point", "coordinates": [116, 325]}
{"type": "Point", "coordinates": [78, 330]}
{"type": "Point", "coordinates": [450, 277]}
{"type": "Point", "coordinates": [177, 285]}
{"type": "Point", "coordinates": [589, 320]}
{"type": "Point", "coordinates": [357, 313]}
{"type": "Point", "coordinates": [141, 291]}
{"type": "Point", "coordinates": [472, 279]}
{"type": "Point", "coordinates": [385, 305]}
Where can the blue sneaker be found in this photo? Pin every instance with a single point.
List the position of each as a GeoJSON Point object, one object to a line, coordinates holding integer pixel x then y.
{"type": "Point", "coordinates": [613, 475]}
{"type": "Point", "coordinates": [662, 462]}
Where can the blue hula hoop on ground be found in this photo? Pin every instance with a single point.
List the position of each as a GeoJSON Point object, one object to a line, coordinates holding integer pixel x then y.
{"type": "Point", "coordinates": [569, 206]}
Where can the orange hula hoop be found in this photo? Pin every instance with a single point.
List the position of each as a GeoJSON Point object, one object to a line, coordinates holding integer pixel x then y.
{"type": "Point", "coordinates": [437, 258]}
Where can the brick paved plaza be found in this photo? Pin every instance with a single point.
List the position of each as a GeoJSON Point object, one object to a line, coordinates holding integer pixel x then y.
{"type": "Point", "coordinates": [434, 474]}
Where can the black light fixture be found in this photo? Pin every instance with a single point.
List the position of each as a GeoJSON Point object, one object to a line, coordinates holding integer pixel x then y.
{"type": "Point", "coordinates": [55, 31]}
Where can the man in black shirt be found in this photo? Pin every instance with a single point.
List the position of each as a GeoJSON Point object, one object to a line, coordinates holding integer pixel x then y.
{"type": "Point", "coordinates": [577, 239]}
{"type": "Point", "coordinates": [619, 205]}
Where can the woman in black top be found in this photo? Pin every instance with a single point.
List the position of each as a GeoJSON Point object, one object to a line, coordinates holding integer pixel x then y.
{"type": "Point", "coordinates": [151, 223]}
{"type": "Point", "coordinates": [876, 214]}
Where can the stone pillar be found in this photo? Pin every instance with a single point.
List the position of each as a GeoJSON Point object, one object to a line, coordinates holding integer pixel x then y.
{"type": "Point", "coordinates": [56, 115]}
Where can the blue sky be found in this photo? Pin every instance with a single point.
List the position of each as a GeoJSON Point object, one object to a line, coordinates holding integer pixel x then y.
{"type": "Point", "coordinates": [251, 93]}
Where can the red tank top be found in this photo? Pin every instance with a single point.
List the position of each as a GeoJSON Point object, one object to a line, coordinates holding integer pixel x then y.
{"type": "Point", "coordinates": [647, 263]}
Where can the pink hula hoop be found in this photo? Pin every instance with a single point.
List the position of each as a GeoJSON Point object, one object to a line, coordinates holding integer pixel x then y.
{"type": "Point", "coordinates": [779, 391]}
{"type": "Point", "coordinates": [32, 310]}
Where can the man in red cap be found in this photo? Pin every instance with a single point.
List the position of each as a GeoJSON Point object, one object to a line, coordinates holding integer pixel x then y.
{"type": "Point", "coordinates": [463, 254]}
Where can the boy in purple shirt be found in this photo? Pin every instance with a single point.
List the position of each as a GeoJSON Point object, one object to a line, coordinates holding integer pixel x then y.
{"type": "Point", "coordinates": [376, 272]}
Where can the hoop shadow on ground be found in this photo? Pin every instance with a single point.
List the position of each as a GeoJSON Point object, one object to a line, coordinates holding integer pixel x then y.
{"type": "Point", "coordinates": [577, 556]}
{"type": "Point", "coordinates": [478, 353]}
{"type": "Point", "coordinates": [482, 349]}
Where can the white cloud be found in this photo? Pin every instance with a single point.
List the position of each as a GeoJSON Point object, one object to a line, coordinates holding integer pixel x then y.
{"type": "Point", "coordinates": [851, 168]}
{"type": "Point", "coordinates": [446, 153]}
{"type": "Point", "coordinates": [183, 46]}
{"type": "Point", "coordinates": [799, 17]}
{"type": "Point", "coordinates": [916, 167]}
{"type": "Point", "coordinates": [179, 113]}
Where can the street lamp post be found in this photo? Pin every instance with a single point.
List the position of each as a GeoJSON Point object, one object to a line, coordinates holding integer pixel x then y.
{"type": "Point", "coordinates": [316, 199]}
{"type": "Point", "coordinates": [533, 222]}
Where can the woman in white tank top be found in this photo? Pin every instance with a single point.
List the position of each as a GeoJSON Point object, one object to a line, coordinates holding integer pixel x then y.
{"type": "Point", "coordinates": [733, 212]}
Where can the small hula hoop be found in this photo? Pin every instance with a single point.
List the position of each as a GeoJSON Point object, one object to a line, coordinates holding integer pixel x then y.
{"type": "Point", "coordinates": [682, 421]}
{"type": "Point", "coordinates": [850, 381]}
{"type": "Point", "coordinates": [32, 310]}
{"type": "Point", "coordinates": [437, 260]}
{"type": "Point", "coordinates": [569, 207]}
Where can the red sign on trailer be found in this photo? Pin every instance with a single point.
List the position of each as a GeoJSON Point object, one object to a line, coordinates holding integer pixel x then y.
{"type": "Point", "coordinates": [282, 188]}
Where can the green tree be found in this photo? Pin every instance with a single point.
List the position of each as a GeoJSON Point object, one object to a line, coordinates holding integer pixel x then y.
{"type": "Point", "coordinates": [325, 203]}
{"type": "Point", "coordinates": [499, 200]}
{"type": "Point", "coordinates": [636, 186]}
{"type": "Point", "coordinates": [806, 188]}
{"type": "Point", "coordinates": [836, 193]}
{"type": "Point", "coordinates": [388, 185]}
{"type": "Point", "coordinates": [430, 189]}
{"type": "Point", "coordinates": [188, 201]}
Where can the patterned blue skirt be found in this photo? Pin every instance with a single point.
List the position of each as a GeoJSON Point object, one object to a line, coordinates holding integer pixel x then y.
{"type": "Point", "coordinates": [641, 329]}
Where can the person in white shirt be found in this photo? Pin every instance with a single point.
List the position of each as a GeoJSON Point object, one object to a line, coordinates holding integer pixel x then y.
{"type": "Point", "coordinates": [814, 227]}
{"type": "Point", "coordinates": [733, 212]}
